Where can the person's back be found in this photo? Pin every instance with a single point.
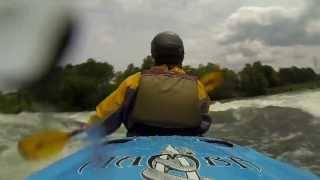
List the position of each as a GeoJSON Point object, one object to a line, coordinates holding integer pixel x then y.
{"type": "Point", "coordinates": [167, 102]}
{"type": "Point", "coordinates": [162, 100]}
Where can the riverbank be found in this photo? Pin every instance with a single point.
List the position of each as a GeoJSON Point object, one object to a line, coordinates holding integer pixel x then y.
{"type": "Point", "coordinates": [291, 88]}
{"type": "Point", "coordinates": [74, 88]}
{"type": "Point", "coordinates": [13, 104]}
{"type": "Point", "coordinates": [294, 87]}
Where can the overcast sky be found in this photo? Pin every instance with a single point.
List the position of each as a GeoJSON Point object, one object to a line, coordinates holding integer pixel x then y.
{"type": "Point", "coordinates": [230, 32]}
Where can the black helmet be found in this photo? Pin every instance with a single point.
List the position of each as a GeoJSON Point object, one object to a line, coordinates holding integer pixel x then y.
{"type": "Point", "coordinates": [167, 48]}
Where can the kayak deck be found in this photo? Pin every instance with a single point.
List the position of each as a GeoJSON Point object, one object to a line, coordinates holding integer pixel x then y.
{"type": "Point", "coordinates": [172, 158]}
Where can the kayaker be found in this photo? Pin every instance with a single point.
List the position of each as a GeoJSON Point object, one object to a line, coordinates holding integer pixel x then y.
{"type": "Point", "coordinates": [162, 100]}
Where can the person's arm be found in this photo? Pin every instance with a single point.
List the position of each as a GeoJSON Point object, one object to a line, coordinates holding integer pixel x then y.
{"type": "Point", "coordinates": [204, 108]}
{"type": "Point", "coordinates": [204, 99]}
{"type": "Point", "coordinates": [212, 80]}
{"type": "Point", "coordinates": [114, 101]}
{"type": "Point", "coordinates": [202, 93]}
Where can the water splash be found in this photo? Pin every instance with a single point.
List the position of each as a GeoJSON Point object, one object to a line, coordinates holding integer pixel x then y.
{"type": "Point", "coordinates": [282, 126]}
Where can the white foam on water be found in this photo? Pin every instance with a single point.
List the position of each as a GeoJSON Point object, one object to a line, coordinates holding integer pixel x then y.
{"type": "Point", "coordinates": [13, 166]}
{"type": "Point", "coordinates": [14, 127]}
{"type": "Point", "coordinates": [308, 101]}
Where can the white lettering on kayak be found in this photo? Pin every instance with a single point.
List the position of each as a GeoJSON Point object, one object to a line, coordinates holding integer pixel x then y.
{"type": "Point", "coordinates": [172, 163]}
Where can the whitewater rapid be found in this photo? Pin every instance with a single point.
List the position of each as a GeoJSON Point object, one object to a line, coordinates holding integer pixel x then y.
{"type": "Point", "coordinates": [308, 101]}
{"type": "Point", "coordinates": [285, 126]}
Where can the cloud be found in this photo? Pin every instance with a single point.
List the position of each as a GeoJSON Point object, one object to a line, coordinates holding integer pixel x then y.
{"type": "Point", "coordinates": [276, 35]}
{"type": "Point", "coordinates": [275, 25]}
{"type": "Point", "coordinates": [246, 52]}
{"type": "Point", "coordinates": [230, 32]}
{"type": "Point", "coordinates": [120, 31]}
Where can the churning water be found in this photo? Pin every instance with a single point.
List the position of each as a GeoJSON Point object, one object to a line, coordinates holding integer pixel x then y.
{"type": "Point", "coordinates": [286, 127]}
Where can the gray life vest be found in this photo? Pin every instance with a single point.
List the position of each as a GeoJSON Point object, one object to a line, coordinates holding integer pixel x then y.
{"type": "Point", "coordinates": [167, 99]}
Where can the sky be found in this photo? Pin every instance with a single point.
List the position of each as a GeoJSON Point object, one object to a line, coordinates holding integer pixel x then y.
{"type": "Point", "coordinates": [230, 33]}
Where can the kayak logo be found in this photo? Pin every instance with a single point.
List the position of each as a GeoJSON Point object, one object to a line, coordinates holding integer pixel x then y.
{"type": "Point", "coordinates": [173, 164]}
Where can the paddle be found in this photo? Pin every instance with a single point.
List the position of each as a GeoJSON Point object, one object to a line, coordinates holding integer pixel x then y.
{"type": "Point", "coordinates": [42, 145]}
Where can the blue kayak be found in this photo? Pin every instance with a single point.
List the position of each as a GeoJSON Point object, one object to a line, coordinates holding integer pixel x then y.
{"type": "Point", "coordinates": [169, 158]}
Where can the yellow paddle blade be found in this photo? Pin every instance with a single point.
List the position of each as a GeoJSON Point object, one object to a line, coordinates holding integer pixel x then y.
{"type": "Point", "coordinates": [212, 80]}
{"type": "Point", "coordinates": [42, 145]}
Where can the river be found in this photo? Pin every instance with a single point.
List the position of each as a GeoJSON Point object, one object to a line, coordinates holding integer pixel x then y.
{"type": "Point", "coordinates": [285, 127]}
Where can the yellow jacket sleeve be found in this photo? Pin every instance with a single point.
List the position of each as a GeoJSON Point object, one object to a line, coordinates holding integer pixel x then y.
{"type": "Point", "coordinates": [212, 80]}
{"type": "Point", "coordinates": [114, 101]}
{"type": "Point", "coordinates": [202, 93]}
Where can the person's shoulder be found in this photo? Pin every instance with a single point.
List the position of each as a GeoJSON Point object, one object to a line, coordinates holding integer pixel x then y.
{"type": "Point", "coordinates": [133, 80]}
{"type": "Point", "coordinates": [134, 76]}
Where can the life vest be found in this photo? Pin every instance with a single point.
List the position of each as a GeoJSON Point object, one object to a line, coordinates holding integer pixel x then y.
{"type": "Point", "coordinates": [167, 99]}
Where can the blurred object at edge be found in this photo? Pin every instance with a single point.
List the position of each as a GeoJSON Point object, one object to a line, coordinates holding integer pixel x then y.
{"type": "Point", "coordinates": [34, 36]}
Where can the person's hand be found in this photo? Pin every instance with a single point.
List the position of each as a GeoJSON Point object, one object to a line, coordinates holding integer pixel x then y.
{"type": "Point", "coordinates": [212, 80]}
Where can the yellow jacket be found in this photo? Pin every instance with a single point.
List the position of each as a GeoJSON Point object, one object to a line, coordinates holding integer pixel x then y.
{"type": "Point", "coordinates": [114, 102]}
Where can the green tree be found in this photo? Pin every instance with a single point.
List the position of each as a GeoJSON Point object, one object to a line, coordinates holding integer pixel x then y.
{"type": "Point", "coordinates": [204, 69]}
{"type": "Point", "coordinates": [130, 70]}
{"type": "Point", "coordinates": [84, 84]}
{"type": "Point", "coordinates": [100, 71]}
{"type": "Point", "coordinates": [252, 80]}
{"type": "Point", "coordinates": [296, 75]}
{"type": "Point", "coordinates": [271, 75]}
{"type": "Point", "coordinates": [229, 88]}
{"type": "Point", "coordinates": [74, 87]}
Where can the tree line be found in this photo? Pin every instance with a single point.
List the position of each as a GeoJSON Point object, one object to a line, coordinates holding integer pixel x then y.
{"type": "Point", "coordinates": [81, 87]}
